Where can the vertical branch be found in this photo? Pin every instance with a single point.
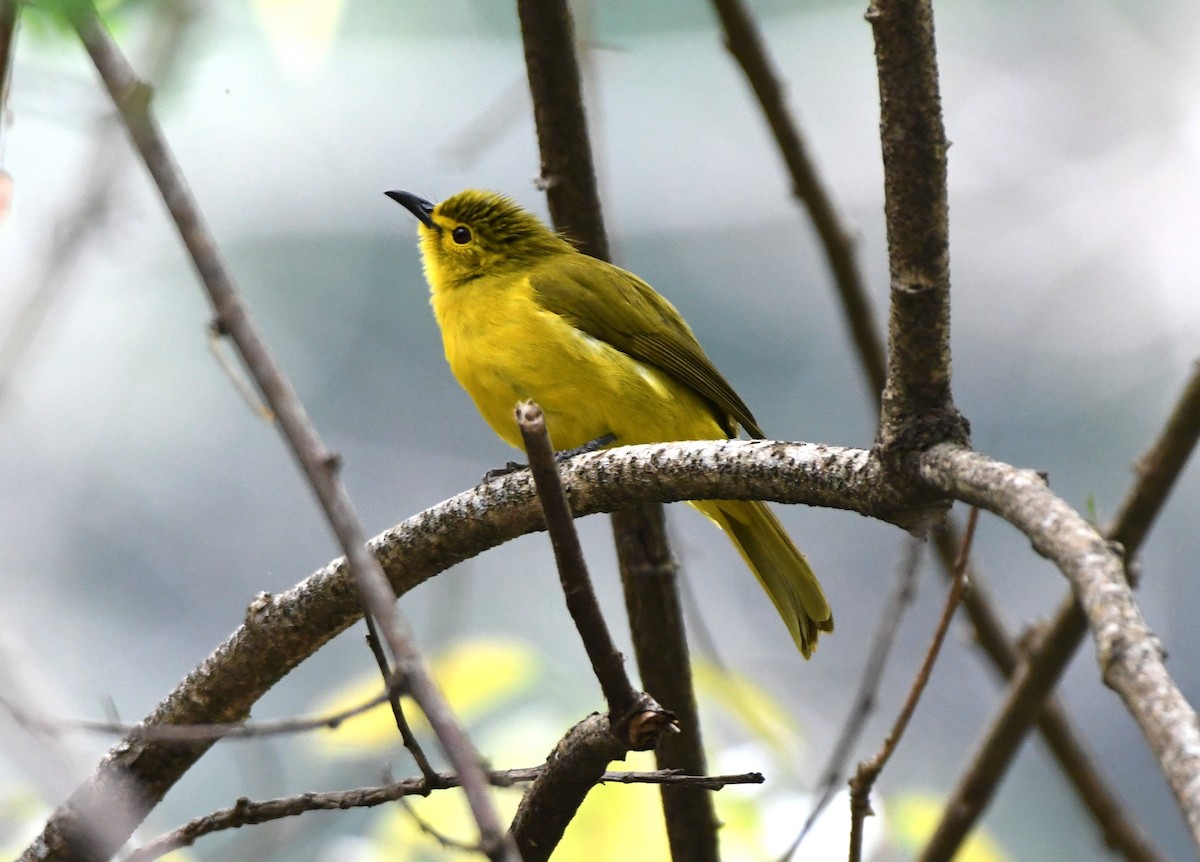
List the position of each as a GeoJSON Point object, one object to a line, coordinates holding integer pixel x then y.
{"type": "Point", "coordinates": [650, 579]}
{"type": "Point", "coordinates": [745, 42]}
{"type": "Point", "coordinates": [917, 406]}
{"type": "Point", "coordinates": [662, 653]}
{"type": "Point", "coordinates": [568, 174]}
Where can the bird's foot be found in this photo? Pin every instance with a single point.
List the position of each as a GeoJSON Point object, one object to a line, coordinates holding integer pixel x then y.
{"type": "Point", "coordinates": [590, 446]}
{"type": "Point", "coordinates": [566, 454]}
{"type": "Point", "coordinates": [510, 467]}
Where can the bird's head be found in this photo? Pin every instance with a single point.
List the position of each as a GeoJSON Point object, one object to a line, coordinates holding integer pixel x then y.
{"type": "Point", "coordinates": [476, 233]}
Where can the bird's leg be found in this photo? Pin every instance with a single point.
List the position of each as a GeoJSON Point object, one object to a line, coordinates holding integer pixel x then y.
{"type": "Point", "coordinates": [509, 467]}
{"type": "Point", "coordinates": [566, 454]}
{"type": "Point", "coordinates": [590, 446]}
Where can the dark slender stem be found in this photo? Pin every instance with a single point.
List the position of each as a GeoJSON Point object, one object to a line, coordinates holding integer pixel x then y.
{"type": "Point", "coordinates": [407, 736]}
{"type": "Point", "coordinates": [869, 770]}
{"type": "Point", "coordinates": [866, 698]}
{"type": "Point", "coordinates": [607, 663]}
{"type": "Point", "coordinates": [568, 175]}
{"type": "Point", "coordinates": [1158, 469]}
{"type": "Point", "coordinates": [745, 42]}
{"type": "Point", "coordinates": [649, 577]}
{"type": "Point", "coordinates": [131, 96]}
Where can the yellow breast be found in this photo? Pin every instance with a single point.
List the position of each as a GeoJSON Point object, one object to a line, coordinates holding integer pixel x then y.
{"type": "Point", "coordinates": [504, 347]}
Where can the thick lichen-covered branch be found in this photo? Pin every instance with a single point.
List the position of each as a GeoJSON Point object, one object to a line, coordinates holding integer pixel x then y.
{"type": "Point", "coordinates": [1130, 657]}
{"type": "Point", "coordinates": [280, 631]}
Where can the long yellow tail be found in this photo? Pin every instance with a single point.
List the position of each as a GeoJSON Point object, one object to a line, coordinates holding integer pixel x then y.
{"type": "Point", "coordinates": [778, 565]}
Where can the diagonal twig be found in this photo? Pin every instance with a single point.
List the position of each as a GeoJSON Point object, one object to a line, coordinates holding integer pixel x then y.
{"type": "Point", "coordinates": [190, 732]}
{"type": "Point", "coordinates": [131, 97]}
{"type": "Point", "coordinates": [607, 662]}
{"type": "Point", "coordinates": [868, 771]}
{"type": "Point", "coordinates": [1157, 469]}
{"type": "Point", "coordinates": [634, 720]}
{"type": "Point", "coordinates": [745, 42]}
{"type": "Point", "coordinates": [866, 696]}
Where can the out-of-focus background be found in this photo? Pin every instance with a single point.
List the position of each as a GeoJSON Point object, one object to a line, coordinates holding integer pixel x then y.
{"type": "Point", "coordinates": [143, 505]}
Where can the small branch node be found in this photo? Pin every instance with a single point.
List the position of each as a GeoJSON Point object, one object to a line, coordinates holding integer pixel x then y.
{"type": "Point", "coordinates": [643, 729]}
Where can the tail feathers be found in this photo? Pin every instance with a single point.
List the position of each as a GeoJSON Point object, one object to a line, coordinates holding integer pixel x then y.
{"type": "Point", "coordinates": [778, 565]}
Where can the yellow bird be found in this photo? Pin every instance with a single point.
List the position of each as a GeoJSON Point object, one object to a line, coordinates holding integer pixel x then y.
{"type": "Point", "coordinates": [524, 315]}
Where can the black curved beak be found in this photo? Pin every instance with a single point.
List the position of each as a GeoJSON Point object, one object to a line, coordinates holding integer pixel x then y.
{"type": "Point", "coordinates": [418, 206]}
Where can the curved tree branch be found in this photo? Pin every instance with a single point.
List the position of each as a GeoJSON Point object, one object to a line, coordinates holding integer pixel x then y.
{"type": "Point", "coordinates": [1034, 680]}
{"type": "Point", "coordinates": [280, 631]}
{"type": "Point", "coordinates": [1131, 658]}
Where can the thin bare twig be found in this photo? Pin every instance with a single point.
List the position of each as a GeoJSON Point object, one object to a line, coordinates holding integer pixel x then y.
{"type": "Point", "coordinates": [744, 41]}
{"type": "Point", "coordinates": [247, 812]}
{"type": "Point", "coordinates": [1157, 471]}
{"type": "Point", "coordinates": [869, 770]}
{"type": "Point", "coordinates": [634, 721]}
{"type": "Point", "coordinates": [1129, 655]}
{"type": "Point", "coordinates": [432, 831]}
{"type": "Point", "coordinates": [131, 97]}
{"type": "Point", "coordinates": [189, 732]}
{"type": "Point", "coordinates": [866, 698]}
{"type": "Point", "coordinates": [607, 663]}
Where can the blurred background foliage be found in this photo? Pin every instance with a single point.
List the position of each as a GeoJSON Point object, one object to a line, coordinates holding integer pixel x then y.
{"type": "Point", "coordinates": [142, 505]}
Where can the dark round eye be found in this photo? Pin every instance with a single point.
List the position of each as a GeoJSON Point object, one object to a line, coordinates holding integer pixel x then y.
{"type": "Point", "coordinates": [461, 235]}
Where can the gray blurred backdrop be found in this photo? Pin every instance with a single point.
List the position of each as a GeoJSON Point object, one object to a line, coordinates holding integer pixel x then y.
{"type": "Point", "coordinates": [142, 505]}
